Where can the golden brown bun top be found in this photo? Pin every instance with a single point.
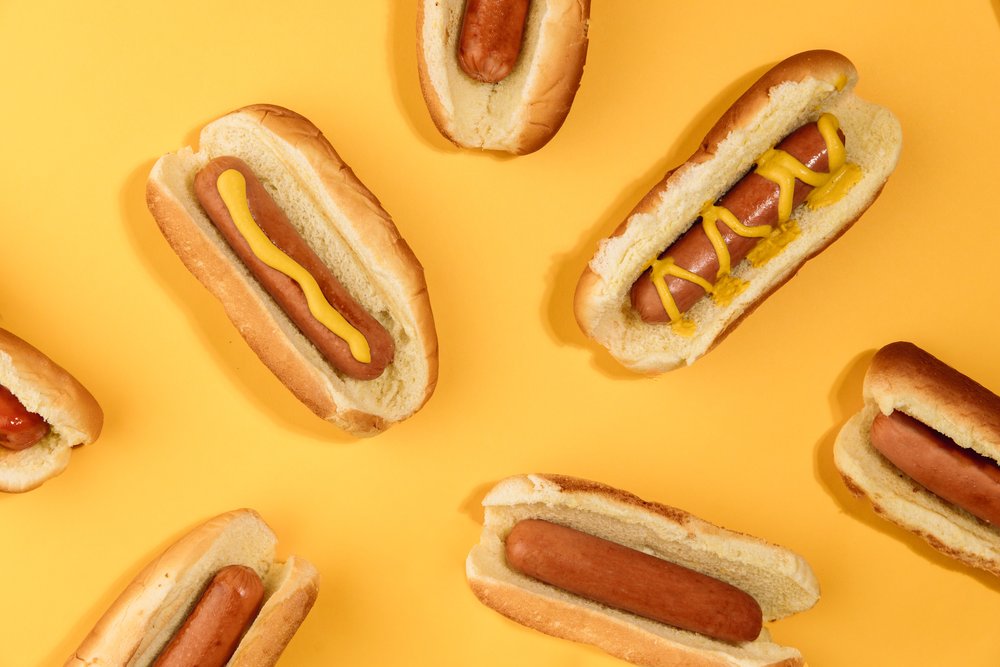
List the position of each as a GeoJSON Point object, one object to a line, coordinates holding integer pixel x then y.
{"type": "Point", "coordinates": [45, 388]}
{"type": "Point", "coordinates": [904, 377]}
{"type": "Point", "coordinates": [823, 65]}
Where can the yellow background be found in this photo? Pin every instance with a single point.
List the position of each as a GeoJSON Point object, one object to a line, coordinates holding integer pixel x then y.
{"type": "Point", "coordinates": [93, 92]}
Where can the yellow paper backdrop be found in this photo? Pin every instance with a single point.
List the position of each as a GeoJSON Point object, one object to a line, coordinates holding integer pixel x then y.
{"type": "Point", "coordinates": [93, 92]}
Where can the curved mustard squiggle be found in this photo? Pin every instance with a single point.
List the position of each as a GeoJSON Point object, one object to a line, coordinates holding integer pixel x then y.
{"type": "Point", "coordinates": [233, 189]}
{"type": "Point", "coordinates": [782, 169]}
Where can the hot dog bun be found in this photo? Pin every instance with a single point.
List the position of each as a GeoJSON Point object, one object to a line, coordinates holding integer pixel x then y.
{"type": "Point", "coordinates": [795, 91]}
{"type": "Point", "coordinates": [906, 378]}
{"type": "Point", "coordinates": [149, 611]}
{"type": "Point", "coordinates": [44, 388]}
{"type": "Point", "coordinates": [523, 111]}
{"type": "Point", "coordinates": [780, 581]}
{"type": "Point", "coordinates": [350, 231]}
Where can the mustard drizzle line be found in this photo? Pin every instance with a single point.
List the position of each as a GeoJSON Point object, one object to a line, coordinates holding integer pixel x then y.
{"type": "Point", "coordinates": [233, 189]}
{"type": "Point", "coordinates": [782, 169]}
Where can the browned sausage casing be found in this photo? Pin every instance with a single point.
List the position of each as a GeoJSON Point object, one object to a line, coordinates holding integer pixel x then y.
{"type": "Point", "coordinates": [285, 291]}
{"type": "Point", "coordinates": [213, 630]}
{"type": "Point", "coordinates": [956, 474]}
{"type": "Point", "coordinates": [623, 578]}
{"type": "Point", "coordinates": [492, 32]}
{"type": "Point", "coordinates": [754, 201]}
{"type": "Point", "coordinates": [19, 429]}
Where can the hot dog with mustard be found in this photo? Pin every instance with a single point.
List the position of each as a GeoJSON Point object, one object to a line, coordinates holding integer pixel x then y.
{"type": "Point", "coordinates": [308, 265]}
{"type": "Point", "coordinates": [784, 172]}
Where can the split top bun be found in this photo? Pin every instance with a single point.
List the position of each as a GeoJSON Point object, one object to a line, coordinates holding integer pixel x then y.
{"type": "Point", "coordinates": [46, 389]}
{"type": "Point", "coordinates": [904, 377]}
{"type": "Point", "coordinates": [781, 581]}
{"type": "Point", "coordinates": [350, 231]}
{"type": "Point", "coordinates": [147, 614]}
{"type": "Point", "coordinates": [796, 91]}
{"type": "Point", "coordinates": [523, 111]}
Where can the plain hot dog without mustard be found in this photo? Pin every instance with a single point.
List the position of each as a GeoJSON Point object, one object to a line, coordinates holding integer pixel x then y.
{"type": "Point", "coordinates": [959, 475]}
{"type": "Point", "coordinates": [213, 629]}
{"type": "Point", "coordinates": [646, 582]}
{"type": "Point", "coordinates": [754, 203]}
{"type": "Point", "coordinates": [215, 597]}
{"type": "Point", "coordinates": [348, 357]}
{"type": "Point", "coordinates": [621, 577]}
{"type": "Point", "coordinates": [925, 451]}
{"type": "Point", "coordinates": [19, 428]}
{"type": "Point", "coordinates": [492, 33]}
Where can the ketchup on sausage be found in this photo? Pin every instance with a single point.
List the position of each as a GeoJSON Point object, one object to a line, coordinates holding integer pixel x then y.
{"type": "Point", "coordinates": [19, 429]}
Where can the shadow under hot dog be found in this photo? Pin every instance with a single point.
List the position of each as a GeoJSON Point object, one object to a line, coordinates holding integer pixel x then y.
{"type": "Point", "coordinates": [567, 267]}
{"type": "Point", "coordinates": [845, 401]}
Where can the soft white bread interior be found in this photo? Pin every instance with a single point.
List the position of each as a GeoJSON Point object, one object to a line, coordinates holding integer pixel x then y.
{"type": "Point", "coordinates": [906, 378]}
{"type": "Point", "coordinates": [523, 111]}
{"type": "Point", "coordinates": [796, 91]}
{"type": "Point", "coordinates": [48, 390]}
{"type": "Point", "coordinates": [140, 623]}
{"type": "Point", "coordinates": [781, 581]}
{"type": "Point", "coordinates": [349, 230]}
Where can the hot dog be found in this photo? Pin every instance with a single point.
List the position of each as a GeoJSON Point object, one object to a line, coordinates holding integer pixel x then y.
{"type": "Point", "coordinates": [501, 74]}
{"type": "Point", "coordinates": [645, 582]}
{"type": "Point", "coordinates": [44, 413]}
{"type": "Point", "coordinates": [784, 172]}
{"type": "Point", "coordinates": [307, 264]}
{"type": "Point", "coordinates": [215, 597]}
{"type": "Point", "coordinates": [925, 450]}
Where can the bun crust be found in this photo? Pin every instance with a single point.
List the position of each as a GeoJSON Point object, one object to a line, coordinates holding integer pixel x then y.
{"type": "Point", "coordinates": [794, 92]}
{"type": "Point", "coordinates": [140, 623]}
{"type": "Point", "coordinates": [521, 113]}
{"type": "Point", "coordinates": [344, 222]}
{"type": "Point", "coordinates": [45, 388]}
{"type": "Point", "coordinates": [780, 581]}
{"type": "Point", "coordinates": [906, 378]}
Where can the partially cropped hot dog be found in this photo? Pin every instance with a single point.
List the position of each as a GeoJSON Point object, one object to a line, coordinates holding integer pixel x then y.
{"type": "Point", "coordinates": [307, 264]}
{"type": "Point", "coordinates": [785, 171]}
{"type": "Point", "coordinates": [216, 597]}
{"type": "Point", "coordinates": [925, 450]}
{"type": "Point", "coordinates": [44, 413]}
{"type": "Point", "coordinates": [501, 74]}
{"type": "Point", "coordinates": [645, 582]}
